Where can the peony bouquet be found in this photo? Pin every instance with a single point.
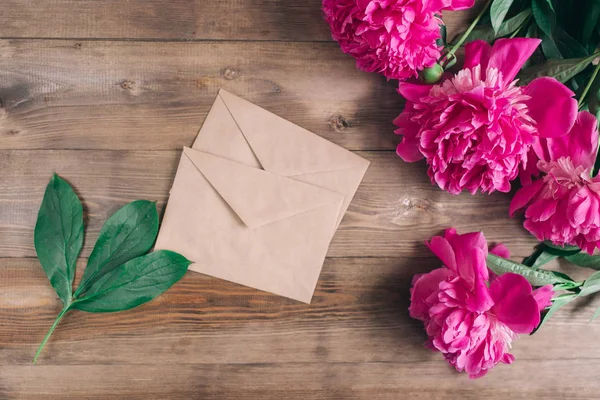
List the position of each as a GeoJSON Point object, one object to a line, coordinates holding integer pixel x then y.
{"type": "Point", "coordinates": [518, 114]}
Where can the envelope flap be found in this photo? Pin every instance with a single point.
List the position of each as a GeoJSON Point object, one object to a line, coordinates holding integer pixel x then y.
{"type": "Point", "coordinates": [259, 197]}
{"type": "Point", "coordinates": [283, 147]}
{"type": "Point", "coordinates": [221, 136]}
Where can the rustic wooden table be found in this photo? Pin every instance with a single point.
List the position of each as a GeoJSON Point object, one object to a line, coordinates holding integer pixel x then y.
{"type": "Point", "coordinates": [107, 93]}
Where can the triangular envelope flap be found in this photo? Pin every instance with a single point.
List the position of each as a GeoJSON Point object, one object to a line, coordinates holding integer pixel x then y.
{"type": "Point", "coordinates": [345, 182]}
{"type": "Point", "coordinates": [221, 136]}
{"type": "Point", "coordinates": [283, 147]}
{"type": "Point", "coordinates": [259, 197]}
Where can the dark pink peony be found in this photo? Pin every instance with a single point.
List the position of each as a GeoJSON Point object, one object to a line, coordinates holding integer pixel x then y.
{"type": "Point", "coordinates": [396, 38]}
{"type": "Point", "coordinates": [563, 206]}
{"type": "Point", "coordinates": [470, 314]}
{"type": "Point", "coordinates": [475, 129]}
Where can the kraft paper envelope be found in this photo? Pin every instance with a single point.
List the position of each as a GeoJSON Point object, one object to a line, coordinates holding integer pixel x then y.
{"type": "Point", "coordinates": [257, 199]}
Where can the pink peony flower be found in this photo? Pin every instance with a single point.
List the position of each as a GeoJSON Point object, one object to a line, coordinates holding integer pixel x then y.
{"type": "Point", "coordinates": [470, 314]}
{"type": "Point", "coordinates": [476, 128]}
{"type": "Point", "coordinates": [396, 38]}
{"type": "Point", "coordinates": [563, 206]}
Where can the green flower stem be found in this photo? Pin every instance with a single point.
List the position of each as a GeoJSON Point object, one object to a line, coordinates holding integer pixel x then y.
{"type": "Point", "coordinates": [454, 48]}
{"type": "Point", "coordinates": [588, 86]}
{"type": "Point", "coordinates": [54, 325]}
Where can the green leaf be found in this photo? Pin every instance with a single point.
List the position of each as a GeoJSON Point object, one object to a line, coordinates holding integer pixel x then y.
{"type": "Point", "coordinates": [544, 15]}
{"type": "Point", "coordinates": [544, 259]}
{"type": "Point", "coordinates": [562, 70]}
{"type": "Point", "coordinates": [585, 260]}
{"type": "Point", "coordinates": [591, 284]}
{"type": "Point", "coordinates": [498, 11]}
{"type": "Point", "coordinates": [557, 304]}
{"type": "Point", "coordinates": [596, 314]}
{"type": "Point", "coordinates": [537, 277]}
{"type": "Point", "coordinates": [591, 20]}
{"type": "Point", "coordinates": [509, 26]}
{"type": "Point", "coordinates": [485, 33]}
{"type": "Point", "coordinates": [569, 47]}
{"type": "Point", "coordinates": [550, 49]}
{"type": "Point", "coordinates": [133, 283]}
{"type": "Point", "coordinates": [128, 233]}
{"type": "Point", "coordinates": [442, 40]}
{"type": "Point", "coordinates": [58, 235]}
{"type": "Point", "coordinates": [560, 251]}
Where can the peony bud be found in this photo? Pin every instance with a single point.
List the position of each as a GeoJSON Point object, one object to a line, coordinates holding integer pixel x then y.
{"type": "Point", "coordinates": [432, 75]}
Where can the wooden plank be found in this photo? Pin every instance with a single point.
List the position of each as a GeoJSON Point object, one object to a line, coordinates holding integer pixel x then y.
{"type": "Point", "coordinates": [313, 381]}
{"type": "Point", "coordinates": [358, 314]}
{"type": "Point", "coordinates": [395, 209]}
{"type": "Point", "coordinates": [177, 19]}
{"type": "Point", "coordinates": [155, 96]}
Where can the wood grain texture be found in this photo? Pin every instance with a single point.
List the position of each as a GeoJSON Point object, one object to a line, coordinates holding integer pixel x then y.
{"type": "Point", "coordinates": [106, 93]}
{"type": "Point", "coordinates": [395, 209]}
{"type": "Point", "coordinates": [282, 20]}
{"type": "Point", "coordinates": [314, 381]}
{"type": "Point", "coordinates": [148, 95]}
{"type": "Point", "coordinates": [207, 337]}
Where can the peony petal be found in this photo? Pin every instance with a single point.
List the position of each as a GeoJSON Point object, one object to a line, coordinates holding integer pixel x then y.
{"type": "Point", "coordinates": [524, 196]}
{"type": "Point", "coordinates": [543, 296]}
{"type": "Point", "coordinates": [413, 92]}
{"type": "Point", "coordinates": [467, 240]}
{"type": "Point", "coordinates": [438, 5]}
{"type": "Point", "coordinates": [514, 305]}
{"type": "Point", "coordinates": [456, 5]}
{"type": "Point", "coordinates": [556, 117]}
{"type": "Point", "coordinates": [509, 55]}
{"type": "Point", "coordinates": [409, 151]}
{"type": "Point", "coordinates": [442, 249]}
{"type": "Point", "coordinates": [579, 206]}
{"type": "Point", "coordinates": [468, 264]}
{"type": "Point", "coordinates": [528, 171]}
{"type": "Point", "coordinates": [507, 358]}
{"type": "Point", "coordinates": [423, 288]}
{"type": "Point", "coordinates": [500, 250]}
{"type": "Point", "coordinates": [540, 148]}
{"type": "Point", "coordinates": [541, 209]}
{"type": "Point", "coordinates": [481, 301]}
{"type": "Point", "coordinates": [581, 144]}
{"type": "Point", "coordinates": [477, 52]}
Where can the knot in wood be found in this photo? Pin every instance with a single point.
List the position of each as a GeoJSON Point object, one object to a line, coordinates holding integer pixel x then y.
{"type": "Point", "coordinates": [127, 85]}
{"type": "Point", "coordinates": [230, 74]}
{"type": "Point", "coordinates": [339, 123]}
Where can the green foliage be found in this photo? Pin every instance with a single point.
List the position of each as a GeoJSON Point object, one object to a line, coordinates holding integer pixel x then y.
{"type": "Point", "coordinates": [537, 277]}
{"type": "Point", "coordinates": [570, 36]}
{"type": "Point", "coordinates": [584, 260]}
{"type": "Point", "coordinates": [58, 235]}
{"type": "Point", "coordinates": [557, 304]}
{"type": "Point", "coordinates": [128, 233]}
{"type": "Point", "coordinates": [118, 275]}
{"type": "Point", "coordinates": [498, 11]}
{"type": "Point", "coordinates": [134, 283]}
{"type": "Point", "coordinates": [562, 70]}
{"type": "Point", "coordinates": [559, 250]}
{"type": "Point", "coordinates": [544, 15]}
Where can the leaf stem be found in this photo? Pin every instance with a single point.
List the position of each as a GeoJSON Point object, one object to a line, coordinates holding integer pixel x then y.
{"type": "Point", "coordinates": [588, 86]}
{"type": "Point", "coordinates": [464, 36]}
{"type": "Point", "coordinates": [54, 325]}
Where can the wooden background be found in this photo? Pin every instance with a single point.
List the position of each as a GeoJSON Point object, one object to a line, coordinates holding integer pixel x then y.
{"type": "Point", "coordinates": [107, 93]}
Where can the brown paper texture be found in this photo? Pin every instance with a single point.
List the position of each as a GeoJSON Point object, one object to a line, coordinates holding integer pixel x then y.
{"type": "Point", "coordinates": [257, 199]}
